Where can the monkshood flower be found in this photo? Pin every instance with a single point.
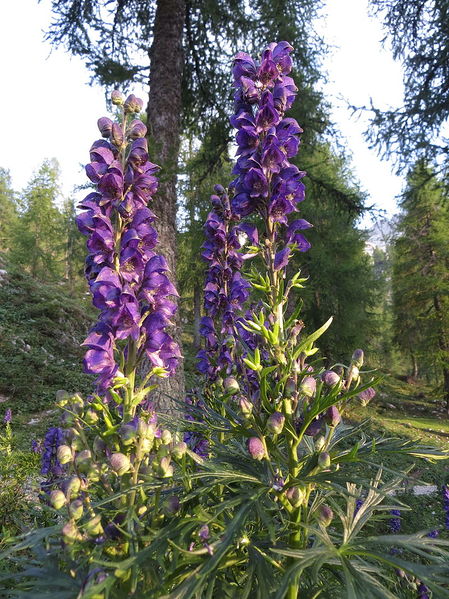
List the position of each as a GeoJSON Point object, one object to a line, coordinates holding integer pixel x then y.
{"type": "Point", "coordinates": [267, 183]}
{"type": "Point", "coordinates": [8, 416]}
{"type": "Point", "coordinates": [225, 290]}
{"type": "Point", "coordinates": [395, 521]}
{"type": "Point", "coordinates": [423, 591]}
{"type": "Point", "coordinates": [50, 465]}
{"type": "Point", "coordinates": [128, 281]}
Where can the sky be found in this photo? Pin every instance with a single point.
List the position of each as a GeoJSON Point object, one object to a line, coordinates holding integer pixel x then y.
{"type": "Point", "coordinates": [49, 109]}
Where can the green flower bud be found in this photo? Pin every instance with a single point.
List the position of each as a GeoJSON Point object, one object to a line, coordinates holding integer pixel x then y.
{"type": "Point", "coordinates": [320, 443]}
{"type": "Point", "coordinates": [91, 416]}
{"type": "Point", "coordinates": [146, 445]}
{"type": "Point", "coordinates": [308, 386]}
{"type": "Point", "coordinates": [72, 486]}
{"type": "Point", "coordinates": [62, 398]}
{"type": "Point", "coordinates": [246, 406]}
{"type": "Point", "coordinates": [70, 533]}
{"type": "Point", "coordinates": [57, 499]}
{"type": "Point", "coordinates": [99, 446]}
{"type": "Point", "coordinates": [166, 437]}
{"type": "Point", "coordinates": [165, 468]}
{"type": "Point", "coordinates": [275, 423]}
{"type": "Point", "coordinates": [357, 358]}
{"type": "Point", "coordinates": [231, 385]}
{"type": "Point", "coordinates": [93, 474]}
{"type": "Point", "coordinates": [179, 450]}
{"type": "Point", "coordinates": [94, 527]}
{"type": "Point", "coordinates": [324, 460]}
{"type": "Point", "coordinates": [117, 98]}
{"type": "Point", "coordinates": [83, 460]}
{"type": "Point", "coordinates": [119, 463]}
{"type": "Point", "coordinates": [127, 434]}
{"type": "Point", "coordinates": [76, 403]}
{"type": "Point", "coordinates": [290, 387]}
{"type": "Point", "coordinates": [325, 515]}
{"type": "Point", "coordinates": [295, 496]}
{"type": "Point", "coordinates": [76, 509]}
{"type": "Point", "coordinates": [64, 454]}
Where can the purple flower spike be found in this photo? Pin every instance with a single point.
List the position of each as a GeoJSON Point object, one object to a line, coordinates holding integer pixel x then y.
{"type": "Point", "coordinates": [8, 416]}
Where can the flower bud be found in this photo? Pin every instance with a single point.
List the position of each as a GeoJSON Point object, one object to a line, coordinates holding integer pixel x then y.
{"type": "Point", "coordinates": [72, 486]}
{"type": "Point", "coordinates": [357, 358]}
{"type": "Point", "coordinates": [127, 434]}
{"type": "Point", "coordinates": [171, 505]}
{"type": "Point", "coordinates": [333, 416]}
{"type": "Point", "coordinates": [324, 460]}
{"type": "Point", "coordinates": [256, 448]}
{"type": "Point", "coordinates": [117, 98]}
{"type": "Point", "coordinates": [320, 443]}
{"type": "Point", "coordinates": [133, 104]}
{"type": "Point", "coordinates": [57, 499]}
{"type": "Point", "coordinates": [117, 136]}
{"type": "Point", "coordinates": [366, 396]}
{"type": "Point", "coordinates": [290, 387]}
{"type": "Point", "coordinates": [90, 416]}
{"type": "Point", "coordinates": [99, 446]}
{"type": "Point", "coordinates": [76, 509]}
{"type": "Point", "coordinates": [71, 533]}
{"type": "Point", "coordinates": [295, 496]}
{"type": "Point", "coordinates": [77, 403]}
{"type": "Point", "coordinates": [137, 129]}
{"type": "Point", "coordinates": [308, 386]}
{"type": "Point", "coordinates": [166, 437]}
{"type": "Point", "coordinates": [275, 423]}
{"type": "Point", "coordinates": [146, 445]}
{"type": "Point", "coordinates": [246, 407]}
{"type": "Point", "coordinates": [179, 450]}
{"type": "Point", "coordinates": [230, 385]}
{"type": "Point", "coordinates": [354, 372]}
{"type": "Point", "coordinates": [83, 460]}
{"type": "Point", "coordinates": [94, 527]}
{"type": "Point", "coordinates": [62, 397]}
{"type": "Point", "coordinates": [219, 188]}
{"type": "Point", "coordinates": [325, 515]}
{"type": "Point", "coordinates": [93, 474]}
{"type": "Point", "coordinates": [64, 454]}
{"type": "Point", "coordinates": [330, 378]}
{"type": "Point", "coordinates": [105, 126]}
{"type": "Point", "coordinates": [120, 463]}
{"type": "Point", "coordinates": [165, 468]}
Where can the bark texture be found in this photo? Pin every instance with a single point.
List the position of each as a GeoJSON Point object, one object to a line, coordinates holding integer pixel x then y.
{"type": "Point", "coordinates": [164, 124]}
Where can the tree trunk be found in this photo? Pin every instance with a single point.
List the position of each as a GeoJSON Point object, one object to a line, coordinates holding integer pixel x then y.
{"type": "Point", "coordinates": [164, 124]}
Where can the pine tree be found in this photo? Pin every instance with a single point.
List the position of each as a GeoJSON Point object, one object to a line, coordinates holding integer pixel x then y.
{"type": "Point", "coordinates": [8, 211]}
{"type": "Point", "coordinates": [36, 244]}
{"type": "Point", "coordinates": [421, 273]}
{"type": "Point", "coordinates": [418, 31]}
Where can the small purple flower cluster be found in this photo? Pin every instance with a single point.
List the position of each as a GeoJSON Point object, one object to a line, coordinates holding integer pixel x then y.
{"type": "Point", "coordinates": [226, 290]}
{"type": "Point", "coordinates": [395, 521]}
{"type": "Point", "coordinates": [423, 591]}
{"type": "Point", "coordinates": [267, 183]}
{"type": "Point", "coordinates": [8, 416]}
{"type": "Point", "coordinates": [128, 281]}
{"type": "Point", "coordinates": [50, 465]}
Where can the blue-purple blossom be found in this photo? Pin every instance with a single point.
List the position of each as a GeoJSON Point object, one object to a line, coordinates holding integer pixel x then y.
{"type": "Point", "coordinates": [128, 281]}
{"type": "Point", "coordinates": [50, 465]}
{"type": "Point", "coordinates": [395, 521]}
{"type": "Point", "coordinates": [8, 416]}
